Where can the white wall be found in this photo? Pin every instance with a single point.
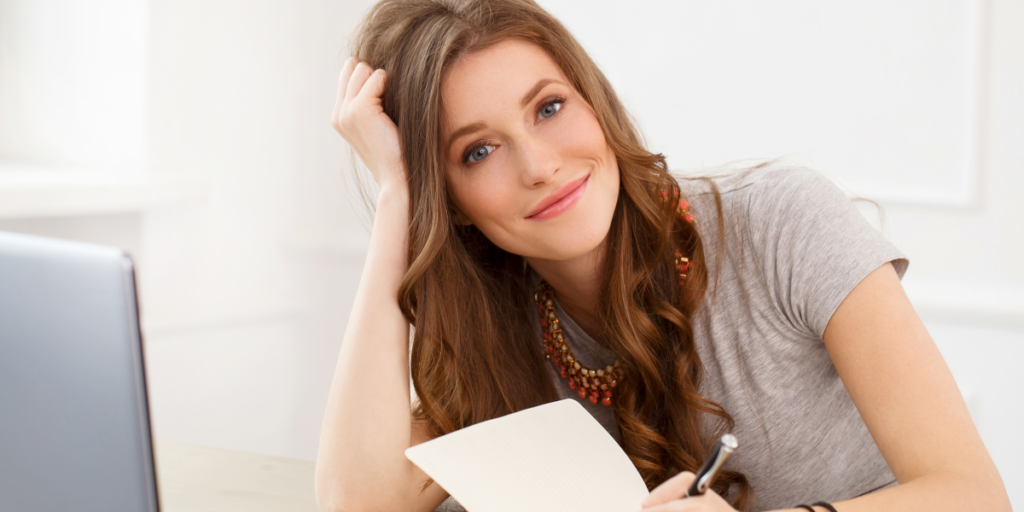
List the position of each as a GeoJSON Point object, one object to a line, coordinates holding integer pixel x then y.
{"type": "Point", "coordinates": [247, 270]}
{"type": "Point", "coordinates": [247, 292]}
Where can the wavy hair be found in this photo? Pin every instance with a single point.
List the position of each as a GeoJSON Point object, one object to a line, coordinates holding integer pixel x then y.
{"type": "Point", "coordinates": [471, 364]}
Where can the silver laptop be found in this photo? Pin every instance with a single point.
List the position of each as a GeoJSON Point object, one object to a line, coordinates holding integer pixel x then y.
{"type": "Point", "coordinates": [74, 421]}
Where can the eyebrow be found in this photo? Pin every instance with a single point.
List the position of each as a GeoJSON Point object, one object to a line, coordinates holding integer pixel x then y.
{"type": "Point", "coordinates": [527, 98]}
{"type": "Point", "coordinates": [465, 130]}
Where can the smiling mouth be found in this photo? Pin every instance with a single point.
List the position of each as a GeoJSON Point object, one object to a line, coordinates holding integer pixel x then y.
{"type": "Point", "coordinates": [562, 200]}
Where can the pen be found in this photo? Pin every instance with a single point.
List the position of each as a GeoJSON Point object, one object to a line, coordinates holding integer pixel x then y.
{"type": "Point", "coordinates": [707, 472]}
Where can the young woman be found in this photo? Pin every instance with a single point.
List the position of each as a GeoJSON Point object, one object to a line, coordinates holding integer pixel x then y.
{"type": "Point", "coordinates": [540, 251]}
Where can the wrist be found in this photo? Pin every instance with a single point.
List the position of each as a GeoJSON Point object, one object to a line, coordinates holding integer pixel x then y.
{"type": "Point", "coordinates": [393, 192]}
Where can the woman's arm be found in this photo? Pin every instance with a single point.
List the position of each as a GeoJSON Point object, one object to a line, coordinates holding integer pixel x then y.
{"type": "Point", "coordinates": [910, 404]}
{"type": "Point", "coordinates": [367, 426]}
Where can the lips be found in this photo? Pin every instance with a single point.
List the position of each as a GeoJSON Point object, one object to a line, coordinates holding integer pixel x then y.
{"type": "Point", "coordinates": [560, 201]}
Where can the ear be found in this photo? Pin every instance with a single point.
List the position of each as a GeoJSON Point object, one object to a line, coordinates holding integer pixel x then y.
{"type": "Point", "coordinates": [458, 217]}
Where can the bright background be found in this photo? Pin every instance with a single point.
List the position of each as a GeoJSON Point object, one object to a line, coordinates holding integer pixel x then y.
{"type": "Point", "coordinates": [195, 135]}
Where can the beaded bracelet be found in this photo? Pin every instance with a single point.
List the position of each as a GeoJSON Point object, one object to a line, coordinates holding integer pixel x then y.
{"type": "Point", "coordinates": [818, 504]}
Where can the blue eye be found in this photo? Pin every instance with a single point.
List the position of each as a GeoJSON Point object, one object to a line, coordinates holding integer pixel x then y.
{"type": "Point", "coordinates": [478, 153]}
{"type": "Point", "coordinates": [550, 109]}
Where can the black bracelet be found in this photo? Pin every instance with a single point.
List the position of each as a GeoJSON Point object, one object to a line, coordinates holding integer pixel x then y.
{"type": "Point", "coordinates": [826, 505]}
{"type": "Point", "coordinates": [808, 507]}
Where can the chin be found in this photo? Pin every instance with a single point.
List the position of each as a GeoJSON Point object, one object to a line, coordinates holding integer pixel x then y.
{"type": "Point", "coordinates": [575, 239]}
{"type": "Point", "coordinates": [586, 230]}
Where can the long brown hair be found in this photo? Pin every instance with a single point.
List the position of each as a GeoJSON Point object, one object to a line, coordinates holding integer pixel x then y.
{"type": "Point", "coordinates": [474, 354]}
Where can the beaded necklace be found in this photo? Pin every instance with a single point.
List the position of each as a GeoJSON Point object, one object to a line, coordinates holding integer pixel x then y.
{"type": "Point", "coordinates": [593, 384]}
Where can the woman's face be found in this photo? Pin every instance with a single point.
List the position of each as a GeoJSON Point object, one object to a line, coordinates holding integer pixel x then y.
{"type": "Point", "coordinates": [526, 160]}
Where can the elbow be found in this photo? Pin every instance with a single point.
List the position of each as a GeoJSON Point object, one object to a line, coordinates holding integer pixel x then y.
{"type": "Point", "coordinates": [340, 502]}
{"type": "Point", "coordinates": [335, 493]}
{"type": "Point", "coordinates": [333, 501]}
{"type": "Point", "coordinates": [330, 495]}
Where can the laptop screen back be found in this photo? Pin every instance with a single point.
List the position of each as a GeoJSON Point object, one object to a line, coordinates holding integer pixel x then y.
{"type": "Point", "coordinates": [74, 422]}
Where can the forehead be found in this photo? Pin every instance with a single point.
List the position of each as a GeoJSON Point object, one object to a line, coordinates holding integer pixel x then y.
{"type": "Point", "coordinates": [494, 79]}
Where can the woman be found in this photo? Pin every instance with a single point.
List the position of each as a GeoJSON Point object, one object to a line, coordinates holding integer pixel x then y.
{"type": "Point", "coordinates": [540, 251]}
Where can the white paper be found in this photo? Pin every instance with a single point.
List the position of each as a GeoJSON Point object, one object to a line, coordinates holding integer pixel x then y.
{"type": "Point", "coordinates": [552, 457]}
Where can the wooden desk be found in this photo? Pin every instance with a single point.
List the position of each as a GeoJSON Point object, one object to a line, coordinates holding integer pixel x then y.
{"type": "Point", "coordinates": [200, 479]}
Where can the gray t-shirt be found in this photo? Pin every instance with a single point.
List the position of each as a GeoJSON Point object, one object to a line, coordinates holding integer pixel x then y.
{"type": "Point", "coordinates": [794, 247]}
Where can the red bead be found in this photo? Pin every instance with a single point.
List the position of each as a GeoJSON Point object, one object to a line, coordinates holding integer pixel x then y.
{"type": "Point", "coordinates": [593, 398]}
{"type": "Point", "coordinates": [675, 192]}
{"type": "Point", "coordinates": [688, 218]}
{"type": "Point", "coordinates": [540, 309]}
{"type": "Point", "coordinates": [664, 194]}
{"type": "Point", "coordinates": [583, 393]}
{"type": "Point", "coordinates": [607, 394]}
{"type": "Point", "coordinates": [683, 205]}
{"type": "Point", "coordinates": [543, 322]}
{"type": "Point", "coordinates": [562, 371]}
{"type": "Point", "coordinates": [606, 401]}
{"type": "Point", "coordinates": [572, 383]}
{"type": "Point", "coordinates": [585, 382]}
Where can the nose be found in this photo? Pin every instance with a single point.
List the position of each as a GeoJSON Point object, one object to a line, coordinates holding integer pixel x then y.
{"type": "Point", "coordinates": [538, 159]}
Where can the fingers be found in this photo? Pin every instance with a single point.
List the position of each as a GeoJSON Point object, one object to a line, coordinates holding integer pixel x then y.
{"type": "Point", "coordinates": [672, 489]}
{"type": "Point", "coordinates": [357, 81]}
{"type": "Point", "coordinates": [687, 505]}
{"type": "Point", "coordinates": [374, 86]}
{"type": "Point", "coordinates": [346, 74]}
{"type": "Point", "coordinates": [359, 76]}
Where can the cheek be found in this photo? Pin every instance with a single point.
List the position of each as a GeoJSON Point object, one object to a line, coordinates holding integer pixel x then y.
{"type": "Point", "coordinates": [585, 138]}
{"type": "Point", "coordinates": [485, 199]}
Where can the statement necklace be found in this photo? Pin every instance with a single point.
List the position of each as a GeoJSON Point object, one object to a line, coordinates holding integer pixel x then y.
{"type": "Point", "coordinates": [593, 384]}
{"type": "Point", "coordinates": [590, 383]}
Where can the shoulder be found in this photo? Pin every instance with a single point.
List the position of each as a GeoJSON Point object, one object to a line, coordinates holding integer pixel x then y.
{"type": "Point", "coordinates": [758, 196]}
{"type": "Point", "coordinates": [771, 179]}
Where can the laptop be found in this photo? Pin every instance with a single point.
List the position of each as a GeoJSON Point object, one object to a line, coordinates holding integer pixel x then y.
{"type": "Point", "coordinates": [74, 420]}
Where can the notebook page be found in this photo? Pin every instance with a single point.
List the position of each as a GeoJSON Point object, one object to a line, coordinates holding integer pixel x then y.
{"type": "Point", "coordinates": [553, 457]}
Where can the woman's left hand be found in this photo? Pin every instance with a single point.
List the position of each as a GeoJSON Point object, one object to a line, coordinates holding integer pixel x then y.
{"type": "Point", "coordinates": [668, 497]}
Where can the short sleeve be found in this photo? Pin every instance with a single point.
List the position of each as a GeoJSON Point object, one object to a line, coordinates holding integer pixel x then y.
{"type": "Point", "coordinates": [812, 245]}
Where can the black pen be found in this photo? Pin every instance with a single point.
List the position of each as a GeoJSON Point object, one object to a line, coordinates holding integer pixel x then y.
{"type": "Point", "coordinates": [707, 472]}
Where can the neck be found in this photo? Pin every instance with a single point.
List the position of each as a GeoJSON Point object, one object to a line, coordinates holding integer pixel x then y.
{"type": "Point", "coordinates": [577, 286]}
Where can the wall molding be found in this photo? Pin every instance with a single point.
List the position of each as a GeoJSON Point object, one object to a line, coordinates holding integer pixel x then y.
{"type": "Point", "coordinates": [33, 191]}
{"type": "Point", "coordinates": [965, 190]}
{"type": "Point", "coordinates": [971, 304]}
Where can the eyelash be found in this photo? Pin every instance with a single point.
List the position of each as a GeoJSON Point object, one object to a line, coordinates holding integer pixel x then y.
{"type": "Point", "coordinates": [547, 102]}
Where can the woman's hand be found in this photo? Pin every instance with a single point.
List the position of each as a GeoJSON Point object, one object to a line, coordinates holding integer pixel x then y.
{"type": "Point", "coordinates": [359, 117]}
{"type": "Point", "coordinates": [668, 497]}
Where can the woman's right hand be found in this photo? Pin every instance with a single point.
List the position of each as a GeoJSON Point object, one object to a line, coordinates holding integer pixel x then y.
{"type": "Point", "coordinates": [359, 117]}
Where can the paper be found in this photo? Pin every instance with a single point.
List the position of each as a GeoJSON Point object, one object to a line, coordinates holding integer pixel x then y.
{"type": "Point", "coordinates": [553, 457]}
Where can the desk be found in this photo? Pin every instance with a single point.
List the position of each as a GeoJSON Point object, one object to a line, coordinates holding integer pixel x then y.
{"type": "Point", "coordinates": [199, 479]}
